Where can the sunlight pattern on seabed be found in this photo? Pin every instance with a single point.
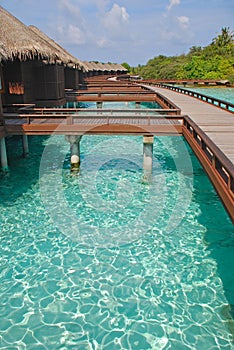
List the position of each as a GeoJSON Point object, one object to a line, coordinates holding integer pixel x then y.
{"type": "Point", "coordinates": [106, 260]}
{"type": "Point", "coordinates": [157, 290]}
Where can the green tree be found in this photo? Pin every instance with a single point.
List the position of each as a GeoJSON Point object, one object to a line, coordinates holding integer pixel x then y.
{"type": "Point", "coordinates": [127, 66]}
{"type": "Point", "coordinates": [215, 61]}
{"type": "Point", "coordinates": [225, 38]}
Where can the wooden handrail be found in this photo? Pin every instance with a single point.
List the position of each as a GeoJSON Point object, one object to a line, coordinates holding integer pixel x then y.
{"type": "Point", "coordinates": [209, 99]}
{"type": "Point", "coordinates": [162, 98]}
{"type": "Point", "coordinates": [215, 156]}
{"type": "Point", "coordinates": [44, 111]}
{"type": "Point", "coordinates": [100, 114]}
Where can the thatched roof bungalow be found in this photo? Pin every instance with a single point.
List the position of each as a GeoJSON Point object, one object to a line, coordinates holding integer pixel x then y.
{"type": "Point", "coordinates": [119, 69]}
{"type": "Point", "coordinates": [97, 68]}
{"type": "Point", "coordinates": [33, 70]}
{"type": "Point", "coordinates": [74, 67]}
{"type": "Point", "coordinates": [90, 68]}
{"type": "Point", "coordinates": [17, 42]}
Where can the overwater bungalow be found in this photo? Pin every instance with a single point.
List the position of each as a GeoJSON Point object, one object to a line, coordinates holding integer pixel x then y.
{"type": "Point", "coordinates": [32, 68]}
{"type": "Point", "coordinates": [90, 69]}
{"type": "Point", "coordinates": [73, 70]}
{"type": "Point", "coordinates": [120, 69]}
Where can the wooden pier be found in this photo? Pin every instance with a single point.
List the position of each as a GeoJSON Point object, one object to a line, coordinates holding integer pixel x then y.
{"type": "Point", "coordinates": [76, 121]}
{"type": "Point", "coordinates": [209, 129]}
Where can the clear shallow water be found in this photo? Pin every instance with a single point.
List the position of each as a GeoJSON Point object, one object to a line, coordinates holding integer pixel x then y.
{"type": "Point", "coordinates": [222, 93]}
{"type": "Point", "coordinates": [115, 105]}
{"type": "Point", "coordinates": [125, 277]}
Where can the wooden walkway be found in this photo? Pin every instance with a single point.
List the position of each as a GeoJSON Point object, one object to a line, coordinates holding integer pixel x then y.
{"type": "Point", "coordinates": [216, 123]}
{"type": "Point", "coordinates": [210, 132]}
{"type": "Point", "coordinates": [208, 129]}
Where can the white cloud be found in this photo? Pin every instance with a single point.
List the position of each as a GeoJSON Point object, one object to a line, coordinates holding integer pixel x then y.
{"type": "Point", "coordinates": [173, 3]}
{"type": "Point", "coordinates": [75, 34]}
{"type": "Point", "coordinates": [72, 9]}
{"type": "Point", "coordinates": [104, 43]}
{"type": "Point", "coordinates": [71, 27]}
{"type": "Point", "coordinates": [71, 34]}
{"type": "Point", "coordinates": [183, 21]}
{"type": "Point", "coordinates": [116, 17]}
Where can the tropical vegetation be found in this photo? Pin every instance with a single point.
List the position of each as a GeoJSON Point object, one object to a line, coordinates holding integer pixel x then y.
{"type": "Point", "coordinates": [213, 62]}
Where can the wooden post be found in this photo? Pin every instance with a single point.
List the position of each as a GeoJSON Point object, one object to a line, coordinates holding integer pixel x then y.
{"type": "Point", "coordinates": [4, 162]}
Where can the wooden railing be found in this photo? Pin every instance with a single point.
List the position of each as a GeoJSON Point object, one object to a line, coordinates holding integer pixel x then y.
{"type": "Point", "coordinates": [165, 101]}
{"type": "Point", "coordinates": [209, 99]}
{"type": "Point", "coordinates": [219, 168]}
{"type": "Point", "coordinates": [75, 114]}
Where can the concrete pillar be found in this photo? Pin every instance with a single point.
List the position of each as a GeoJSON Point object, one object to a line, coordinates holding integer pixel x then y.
{"type": "Point", "coordinates": [4, 162]}
{"type": "Point", "coordinates": [99, 104]}
{"type": "Point", "coordinates": [25, 145]}
{"type": "Point", "coordinates": [147, 156]}
{"type": "Point", "coordinates": [138, 105]}
{"type": "Point", "coordinates": [1, 111]}
{"type": "Point", "coordinates": [74, 141]}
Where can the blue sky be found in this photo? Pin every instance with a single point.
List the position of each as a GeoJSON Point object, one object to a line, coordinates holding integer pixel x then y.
{"type": "Point", "coordinates": [130, 31]}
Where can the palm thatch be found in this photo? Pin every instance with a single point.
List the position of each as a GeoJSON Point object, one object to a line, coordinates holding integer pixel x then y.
{"type": "Point", "coordinates": [107, 67]}
{"type": "Point", "coordinates": [18, 41]}
{"type": "Point", "coordinates": [85, 65]}
{"type": "Point", "coordinates": [120, 68]}
{"type": "Point", "coordinates": [89, 66]}
{"type": "Point", "coordinates": [67, 57]}
{"type": "Point", "coordinates": [98, 66]}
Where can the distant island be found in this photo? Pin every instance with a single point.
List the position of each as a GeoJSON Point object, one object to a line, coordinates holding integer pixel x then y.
{"type": "Point", "coordinates": [213, 62]}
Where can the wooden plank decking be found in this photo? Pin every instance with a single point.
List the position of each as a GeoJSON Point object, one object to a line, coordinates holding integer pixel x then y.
{"type": "Point", "coordinates": [127, 124]}
{"type": "Point", "coordinates": [216, 123]}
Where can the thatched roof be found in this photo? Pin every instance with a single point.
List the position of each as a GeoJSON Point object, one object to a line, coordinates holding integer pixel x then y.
{"type": "Point", "coordinates": [105, 67]}
{"type": "Point", "coordinates": [121, 68]}
{"type": "Point", "coordinates": [98, 66]}
{"type": "Point", "coordinates": [67, 57]}
{"type": "Point", "coordinates": [114, 67]}
{"type": "Point", "coordinates": [89, 66]}
{"type": "Point", "coordinates": [18, 41]}
{"type": "Point", "coordinates": [108, 67]}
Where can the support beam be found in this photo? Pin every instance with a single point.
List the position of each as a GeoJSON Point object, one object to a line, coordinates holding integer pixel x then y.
{"type": "Point", "coordinates": [74, 141]}
{"type": "Point", "coordinates": [147, 156]}
{"type": "Point", "coordinates": [4, 162]}
{"type": "Point", "coordinates": [25, 145]}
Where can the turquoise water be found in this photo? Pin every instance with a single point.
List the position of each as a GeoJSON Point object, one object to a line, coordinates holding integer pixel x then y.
{"type": "Point", "coordinates": [110, 105]}
{"type": "Point", "coordinates": [108, 260]}
{"type": "Point", "coordinates": [222, 93]}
